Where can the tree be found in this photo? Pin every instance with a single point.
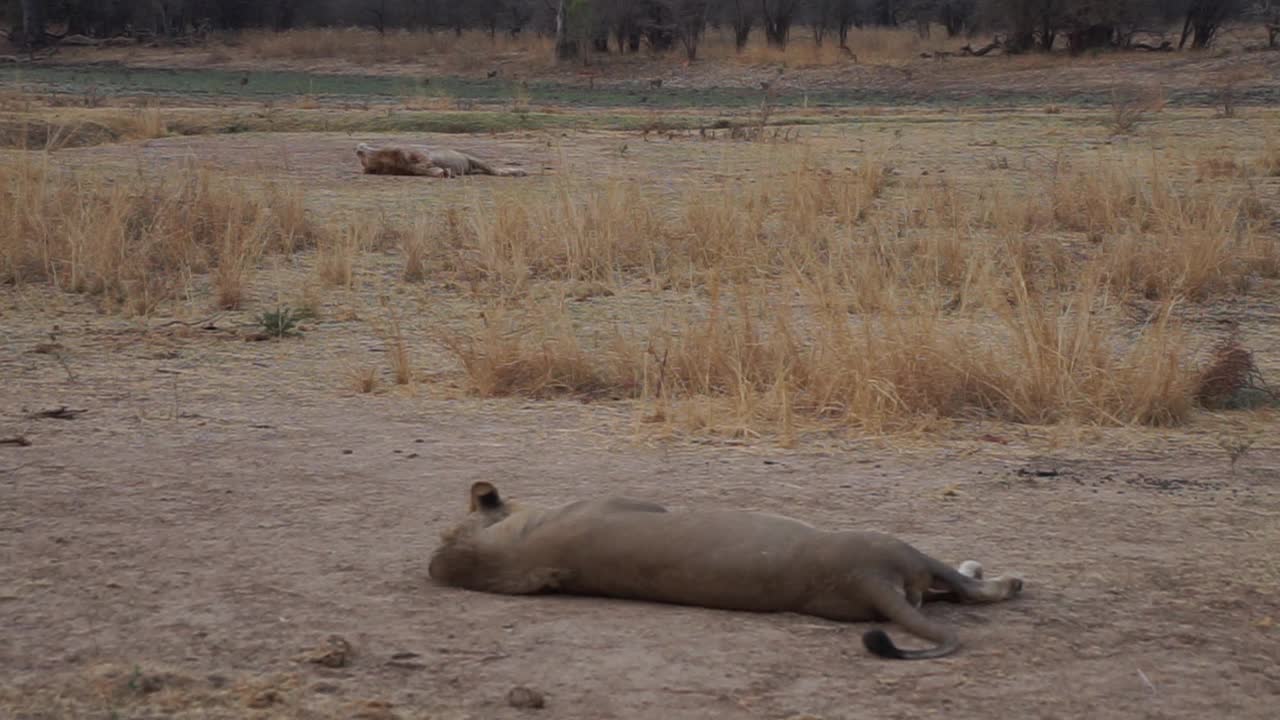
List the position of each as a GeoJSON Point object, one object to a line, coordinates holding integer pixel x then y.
{"type": "Point", "coordinates": [848, 13]}
{"type": "Point", "coordinates": [1203, 18]}
{"type": "Point", "coordinates": [885, 12]}
{"type": "Point", "coordinates": [778, 16]}
{"type": "Point", "coordinates": [1030, 24]}
{"type": "Point", "coordinates": [378, 11]}
{"type": "Point", "coordinates": [742, 17]}
{"type": "Point", "coordinates": [34, 20]}
{"type": "Point", "coordinates": [691, 21]}
{"type": "Point", "coordinates": [566, 45]}
{"type": "Point", "coordinates": [955, 15]}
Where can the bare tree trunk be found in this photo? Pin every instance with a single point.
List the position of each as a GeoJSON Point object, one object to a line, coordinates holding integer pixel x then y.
{"type": "Point", "coordinates": [566, 48]}
{"type": "Point", "coordinates": [33, 23]}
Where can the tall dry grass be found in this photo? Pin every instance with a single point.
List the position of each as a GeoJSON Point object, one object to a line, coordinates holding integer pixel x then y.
{"type": "Point", "coordinates": [603, 232]}
{"type": "Point", "coordinates": [751, 361]}
{"type": "Point", "coordinates": [338, 251]}
{"type": "Point", "coordinates": [1126, 223]}
{"type": "Point", "coordinates": [858, 301]}
{"type": "Point", "coordinates": [136, 242]}
{"type": "Point", "coordinates": [1268, 164]}
{"type": "Point", "coordinates": [869, 45]}
{"type": "Point", "coordinates": [469, 50]}
{"type": "Point", "coordinates": [1132, 223]}
{"type": "Point", "coordinates": [474, 49]}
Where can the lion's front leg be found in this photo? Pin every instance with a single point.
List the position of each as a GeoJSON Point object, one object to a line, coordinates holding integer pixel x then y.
{"type": "Point", "coordinates": [528, 582]}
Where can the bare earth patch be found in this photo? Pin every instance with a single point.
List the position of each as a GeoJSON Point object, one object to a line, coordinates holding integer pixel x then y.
{"type": "Point", "coordinates": [233, 529]}
{"type": "Point", "coordinates": [221, 521]}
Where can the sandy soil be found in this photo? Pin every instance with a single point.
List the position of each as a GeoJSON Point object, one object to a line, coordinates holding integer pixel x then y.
{"type": "Point", "coordinates": [221, 507]}
{"type": "Point", "coordinates": [214, 512]}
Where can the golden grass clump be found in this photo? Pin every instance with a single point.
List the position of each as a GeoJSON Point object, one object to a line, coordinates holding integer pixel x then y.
{"type": "Point", "coordinates": [868, 45]}
{"type": "Point", "coordinates": [1268, 165]}
{"type": "Point", "coordinates": [136, 242]}
{"type": "Point", "coordinates": [465, 51]}
{"type": "Point", "coordinates": [537, 355]}
{"type": "Point", "coordinates": [338, 251]}
{"type": "Point", "coordinates": [473, 49]}
{"type": "Point", "coordinates": [858, 303]}
{"type": "Point", "coordinates": [148, 122]}
{"type": "Point", "coordinates": [602, 233]}
{"type": "Point", "coordinates": [769, 364]}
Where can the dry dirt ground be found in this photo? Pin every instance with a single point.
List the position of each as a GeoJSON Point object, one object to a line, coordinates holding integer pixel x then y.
{"type": "Point", "coordinates": [221, 508]}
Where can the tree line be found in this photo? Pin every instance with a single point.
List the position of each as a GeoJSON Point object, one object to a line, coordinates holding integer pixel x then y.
{"type": "Point", "coordinates": [629, 26]}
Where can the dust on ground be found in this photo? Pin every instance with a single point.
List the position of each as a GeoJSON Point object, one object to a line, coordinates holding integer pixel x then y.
{"type": "Point", "coordinates": [222, 508]}
{"type": "Point", "coordinates": [219, 509]}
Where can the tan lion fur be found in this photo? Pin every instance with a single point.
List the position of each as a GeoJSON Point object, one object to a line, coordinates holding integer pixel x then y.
{"type": "Point", "coordinates": [733, 560]}
{"type": "Point", "coordinates": [422, 160]}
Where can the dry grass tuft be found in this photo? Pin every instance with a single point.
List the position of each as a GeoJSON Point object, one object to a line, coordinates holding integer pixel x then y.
{"type": "Point", "coordinates": [416, 248]}
{"type": "Point", "coordinates": [148, 122]}
{"type": "Point", "coordinates": [1231, 380]}
{"type": "Point", "coordinates": [768, 364]}
{"type": "Point", "coordinates": [1213, 167]}
{"type": "Point", "coordinates": [135, 243]}
{"type": "Point", "coordinates": [474, 49]}
{"type": "Point", "coordinates": [870, 45]}
{"type": "Point", "coordinates": [1268, 165]}
{"type": "Point", "coordinates": [397, 349]}
{"type": "Point", "coordinates": [363, 379]}
{"type": "Point", "coordinates": [338, 251]}
{"type": "Point", "coordinates": [294, 227]}
{"type": "Point", "coordinates": [860, 304]}
{"type": "Point", "coordinates": [1132, 105]}
{"type": "Point", "coordinates": [469, 50]}
{"type": "Point", "coordinates": [601, 233]}
{"type": "Point", "coordinates": [537, 355]}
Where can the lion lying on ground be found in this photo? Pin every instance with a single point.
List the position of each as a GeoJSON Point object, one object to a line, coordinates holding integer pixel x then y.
{"type": "Point", "coordinates": [732, 560]}
{"type": "Point", "coordinates": [422, 160]}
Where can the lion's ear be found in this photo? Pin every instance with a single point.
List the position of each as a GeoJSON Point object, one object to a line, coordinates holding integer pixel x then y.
{"type": "Point", "coordinates": [484, 496]}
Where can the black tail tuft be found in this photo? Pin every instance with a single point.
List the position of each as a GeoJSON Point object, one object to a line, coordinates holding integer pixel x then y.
{"type": "Point", "coordinates": [878, 643]}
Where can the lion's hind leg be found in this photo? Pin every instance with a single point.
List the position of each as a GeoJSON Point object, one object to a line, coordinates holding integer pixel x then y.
{"type": "Point", "coordinates": [940, 593]}
{"type": "Point", "coordinates": [968, 585]}
{"type": "Point", "coordinates": [901, 606]}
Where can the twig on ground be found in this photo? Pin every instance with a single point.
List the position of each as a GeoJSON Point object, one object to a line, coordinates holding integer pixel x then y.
{"type": "Point", "coordinates": [61, 412]}
{"type": "Point", "coordinates": [1146, 681]}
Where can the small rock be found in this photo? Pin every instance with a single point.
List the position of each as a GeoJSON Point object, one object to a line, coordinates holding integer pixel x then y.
{"type": "Point", "coordinates": [525, 698]}
{"type": "Point", "coordinates": [335, 653]}
{"type": "Point", "coordinates": [264, 699]}
{"type": "Point", "coordinates": [375, 710]}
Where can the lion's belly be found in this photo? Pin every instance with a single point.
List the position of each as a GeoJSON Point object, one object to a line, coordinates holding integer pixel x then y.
{"type": "Point", "coordinates": [452, 160]}
{"type": "Point", "coordinates": [732, 561]}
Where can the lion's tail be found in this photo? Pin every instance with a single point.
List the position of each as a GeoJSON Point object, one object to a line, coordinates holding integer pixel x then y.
{"type": "Point", "coordinates": [891, 603]}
